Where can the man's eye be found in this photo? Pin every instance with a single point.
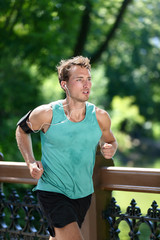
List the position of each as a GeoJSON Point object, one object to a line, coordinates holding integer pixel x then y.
{"type": "Point", "coordinates": [79, 79]}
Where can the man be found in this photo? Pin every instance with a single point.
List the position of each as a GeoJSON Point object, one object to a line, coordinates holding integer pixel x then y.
{"type": "Point", "coordinates": [70, 131]}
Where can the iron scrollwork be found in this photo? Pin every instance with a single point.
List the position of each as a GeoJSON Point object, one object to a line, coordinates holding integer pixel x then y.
{"type": "Point", "coordinates": [21, 220]}
{"type": "Point", "coordinates": [134, 219]}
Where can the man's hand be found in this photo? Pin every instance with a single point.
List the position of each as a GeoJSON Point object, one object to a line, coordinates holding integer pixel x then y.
{"type": "Point", "coordinates": [107, 150]}
{"type": "Point", "coordinates": [36, 169]}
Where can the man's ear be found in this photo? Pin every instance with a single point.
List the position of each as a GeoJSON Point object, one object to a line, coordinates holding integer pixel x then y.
{"type": "Point", "coordinates": [63, 85]}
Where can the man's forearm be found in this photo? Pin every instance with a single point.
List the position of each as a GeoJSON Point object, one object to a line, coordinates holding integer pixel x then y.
{"type": "Point", "coordinates": [24, 143]}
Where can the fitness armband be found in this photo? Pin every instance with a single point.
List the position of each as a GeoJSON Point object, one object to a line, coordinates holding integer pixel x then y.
{"type": "Point", "coordinates": [22, 123]}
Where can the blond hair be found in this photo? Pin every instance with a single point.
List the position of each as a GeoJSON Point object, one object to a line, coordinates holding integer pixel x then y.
{"type": "Point", "coordinates": [65, 66]}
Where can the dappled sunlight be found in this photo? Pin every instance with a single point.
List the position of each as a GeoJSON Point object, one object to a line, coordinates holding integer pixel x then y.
{"type": "Point", "coordinates": [50, 89]}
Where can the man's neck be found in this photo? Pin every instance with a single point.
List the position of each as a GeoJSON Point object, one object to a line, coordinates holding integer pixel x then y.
{"type": "Point", "coordinates": [75, 111]}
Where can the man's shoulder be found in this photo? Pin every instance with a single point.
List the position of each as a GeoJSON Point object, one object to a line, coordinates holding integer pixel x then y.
{"type": "Point", "coordinates": [43, 108]}
{"type": "Point", "coordinates": [103, 118]}
{"type": "Point", "coordinates": [100, 111]}
{"type": "Point", "coordinates": [102, 115]}
{"type": "Point", "coordinates": [43, 112]}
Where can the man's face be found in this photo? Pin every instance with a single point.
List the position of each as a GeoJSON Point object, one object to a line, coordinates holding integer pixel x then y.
{"type": "Point", "coordinates": [79, 84]}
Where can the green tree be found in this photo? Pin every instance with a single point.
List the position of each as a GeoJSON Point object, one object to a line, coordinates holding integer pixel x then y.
{"type": "Point", "coordinates": [121, 36]}
{"type": "Point", "coordinates": [34, 37]}
{"type": "Point", "coordinates": [133, 65]}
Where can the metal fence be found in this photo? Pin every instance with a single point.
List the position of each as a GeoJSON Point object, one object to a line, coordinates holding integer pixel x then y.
{"type": "Point", "coordinates": [21, 218]}
{"type": "Point", "coordinates": [134, 220]}
{"type": "Point", "coordinates": [135, 180]}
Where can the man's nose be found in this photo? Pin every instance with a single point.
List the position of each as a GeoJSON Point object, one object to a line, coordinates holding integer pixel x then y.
{"type": "Point", "coordinates": [86, 83]}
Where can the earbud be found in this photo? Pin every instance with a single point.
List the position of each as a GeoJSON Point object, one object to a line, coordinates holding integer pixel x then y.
{"type": "Point", "coordinates": [64, 86]}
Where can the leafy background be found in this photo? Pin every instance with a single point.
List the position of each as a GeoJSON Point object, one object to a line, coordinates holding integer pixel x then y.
{"type": "Point", "coordinates": [122, 40]}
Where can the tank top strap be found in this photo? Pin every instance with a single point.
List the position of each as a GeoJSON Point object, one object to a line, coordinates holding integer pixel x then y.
{"type": "Point", "coordinates": [55, 104]}
{"type": "Point", "coordinates": [90, 112]}
{"type": "Point", "coordinates": [57, 109]}
{"type": "Point", "coordinates": [59, 116]}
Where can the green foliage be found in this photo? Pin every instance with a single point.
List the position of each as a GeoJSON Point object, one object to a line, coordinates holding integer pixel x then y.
{"type": "Point", "coordinates": [20, 93]}
{"type": "Point", "coordinates": [155, 127]}
{"type": "Point", "coordinates": [50, 89]}
{"type": "Point", "coordinates": [35, 36]}
{"type": "Point", "coordinates": [125, 114]}
{"type": "Point", "coordinates": [99, 86]}
{"type": "Point", "coordinates": [133, 58]}
{"type": "Point", "coordinates": [125, 119]}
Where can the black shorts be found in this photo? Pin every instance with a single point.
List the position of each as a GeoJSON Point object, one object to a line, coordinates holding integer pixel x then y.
{"type": "Point", "coordinates": [60, 210]}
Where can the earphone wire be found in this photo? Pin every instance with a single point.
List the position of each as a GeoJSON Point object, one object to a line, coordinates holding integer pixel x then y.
{"type": "Point", "coordinates": [54, 124]}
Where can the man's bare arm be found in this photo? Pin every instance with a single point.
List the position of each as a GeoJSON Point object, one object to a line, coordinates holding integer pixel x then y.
{"type": "Point", "coordinates": [108, 142]}
{"type": "Point", "coordinates": [39, 119]}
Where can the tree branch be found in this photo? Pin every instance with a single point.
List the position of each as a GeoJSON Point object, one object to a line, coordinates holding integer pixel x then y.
{"type": "Point", "coordinates": [18, 11]}
{"type": "Point", "coordinates": [103, 47]}
{"type": "Point", "coordinates": [9, 16]}
{"type": "Point", "coordinates": [84, 29]}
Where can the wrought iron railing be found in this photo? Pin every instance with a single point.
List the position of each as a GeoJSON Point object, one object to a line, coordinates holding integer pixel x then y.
{"type": "Point", "coordinates": [134, 219]}
{"type": "Point", "coordinates": [21, 218]}
{"type": "Point", "coordinates": [132, 179]}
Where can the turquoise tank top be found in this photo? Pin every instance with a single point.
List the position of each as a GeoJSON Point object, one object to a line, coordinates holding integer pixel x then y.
{"type": "Point", "coordinates": [68, 153]}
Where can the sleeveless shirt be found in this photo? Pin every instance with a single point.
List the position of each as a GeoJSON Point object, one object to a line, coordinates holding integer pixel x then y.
{"type": "Point", "coordinates": [68, 153]}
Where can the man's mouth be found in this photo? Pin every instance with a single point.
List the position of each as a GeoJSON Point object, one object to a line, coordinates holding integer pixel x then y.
{"type": "Point", "coordinates": [86, 92]}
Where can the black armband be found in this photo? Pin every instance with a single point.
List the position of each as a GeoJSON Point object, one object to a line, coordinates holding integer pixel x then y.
{"type": "Point", "coordinates": [22, 123]}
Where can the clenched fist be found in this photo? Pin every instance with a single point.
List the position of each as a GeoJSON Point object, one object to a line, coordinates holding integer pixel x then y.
{"type": "Point", "coordinates": [107, 150]}
{"type": "Point", "coordinates": [36, 169]}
